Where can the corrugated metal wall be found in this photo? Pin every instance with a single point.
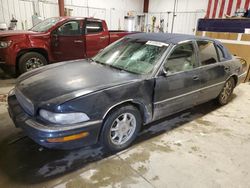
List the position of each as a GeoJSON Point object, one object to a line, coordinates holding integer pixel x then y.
{"type": "Point", "coordinates": [21, 10]}
{"type": "Point", "coordinates": [112, 11]}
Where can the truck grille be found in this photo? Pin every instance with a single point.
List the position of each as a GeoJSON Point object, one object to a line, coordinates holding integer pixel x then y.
{"type": "Point", "coordinates": [25, 103]}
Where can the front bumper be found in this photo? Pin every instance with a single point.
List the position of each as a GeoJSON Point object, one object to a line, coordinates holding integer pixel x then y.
{"type": "Point", "coordinates": [7, 61]}
{"type": "Point", "coordinates": [40, 132]}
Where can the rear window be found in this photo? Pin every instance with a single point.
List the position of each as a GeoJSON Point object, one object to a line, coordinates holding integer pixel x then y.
{"type": "Point", "coordinates": [207, 52]}
{"type": "Point", "coordinates": [93, 27]}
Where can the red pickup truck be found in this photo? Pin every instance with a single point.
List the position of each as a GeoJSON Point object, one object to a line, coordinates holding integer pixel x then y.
{"type": "Point", "coordinates": [53, 40]}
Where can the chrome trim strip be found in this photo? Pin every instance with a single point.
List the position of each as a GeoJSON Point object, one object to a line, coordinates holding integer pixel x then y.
{"type": "Point", "coordinates": [243, 74]}
{"type": "Point", "coordinates": [2, 62]}
{"type": "Point", "coordinates": [110, 108]}
{"type": "Point", "coordinates": [58, 128]}
{"type": "Point", "coordinates": [191, 92]}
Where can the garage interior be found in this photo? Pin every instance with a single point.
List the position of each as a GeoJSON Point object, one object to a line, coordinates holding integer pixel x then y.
{"type": "Point", "coordinates": [204, 146]}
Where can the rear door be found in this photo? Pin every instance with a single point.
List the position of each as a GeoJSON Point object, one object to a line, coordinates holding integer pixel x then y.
{"type": "Point", "coordinates": [178, 89]}
{"type": "Point", "coordinates": [96, 36]}
{"type": "Point", "coordinates": [214, 70]}
{"type": "Point", "coordinates": [67, 42]}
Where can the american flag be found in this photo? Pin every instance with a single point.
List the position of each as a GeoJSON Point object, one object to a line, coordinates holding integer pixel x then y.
{"type": "Point", "coordinates": [218, 8]}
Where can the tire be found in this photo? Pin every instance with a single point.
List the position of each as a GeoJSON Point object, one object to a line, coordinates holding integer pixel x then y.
{"type": "Point", "coordinates": [30, 61]}
{"type": "Point", "coordinates": [112, 130]}
{"type": "Point", "coordinates": [226, 93]}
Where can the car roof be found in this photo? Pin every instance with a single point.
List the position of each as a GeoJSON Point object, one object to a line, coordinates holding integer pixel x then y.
{"type": "Point", "coordinates": [166, 37]}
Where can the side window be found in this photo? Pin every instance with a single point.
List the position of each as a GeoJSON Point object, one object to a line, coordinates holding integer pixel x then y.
{"type": "Point", "coordinates": [69, 29]}
{"type": "Point", "coordinates": [207, 51]}
{"type": "Point", "coordinates": [182, 58]}
{"type": "Point", "coordinates": [93, 27]}
{"type": "Point", "coordinates": [221, 53]}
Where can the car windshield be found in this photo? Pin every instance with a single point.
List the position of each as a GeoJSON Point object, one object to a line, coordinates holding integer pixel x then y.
{"type": "Point", "coordinates": [45, 25]}
{"type": "Point", "coordinates": [132, 55]}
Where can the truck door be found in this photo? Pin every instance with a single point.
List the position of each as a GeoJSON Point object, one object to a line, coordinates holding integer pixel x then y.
{"type": "Point", "coordinates": [96, 36]}
{"type": "Point", "coordinates": [67, 41]}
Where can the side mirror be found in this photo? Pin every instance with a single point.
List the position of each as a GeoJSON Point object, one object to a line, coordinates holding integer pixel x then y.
{"type": "Point", "coordinates": [55, 35]}
{"type": "Point", "coordinates": [165, 72]}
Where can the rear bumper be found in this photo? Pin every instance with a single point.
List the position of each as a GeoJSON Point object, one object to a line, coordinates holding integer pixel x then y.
{"type": "Point", "coordinates": [40, 132]}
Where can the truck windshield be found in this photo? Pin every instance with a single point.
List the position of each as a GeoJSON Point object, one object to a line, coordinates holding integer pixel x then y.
{"type": "Point", "coordinates": [45, 25]}
{"type": "Point", "coordinates": [132, 55]}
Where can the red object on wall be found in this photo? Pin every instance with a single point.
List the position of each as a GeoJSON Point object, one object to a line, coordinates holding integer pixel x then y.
{"type": "Point", "coordinates": [145, 6]}
{"type": "Point", "coordinates": [61, 7]}
{"type": "Point", "coordinates": [218, 8]}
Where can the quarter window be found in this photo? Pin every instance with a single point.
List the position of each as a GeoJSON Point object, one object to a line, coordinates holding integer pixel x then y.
{"type": "Point", "coordinates": [181, 59]}
{"type": "Point", "coordinates": [220, 53]}
{"type": "Point", "coordinates": [207, 51]}
{"type": "Point", "coordinates": [93, 27]}
{"type": "Point", "coordinates": [69, 29]}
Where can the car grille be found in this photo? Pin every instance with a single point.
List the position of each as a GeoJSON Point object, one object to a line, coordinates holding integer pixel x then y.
{"type": "Point", "coordinates": [25, 103]}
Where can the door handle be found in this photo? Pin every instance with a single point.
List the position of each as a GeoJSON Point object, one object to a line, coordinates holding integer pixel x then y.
{"type": "Point", "coordinates": [195, 77]}
{"type": "Point", "coordinates": [78, 41]}
{"type": "Point", "coordinates": [102, 38]}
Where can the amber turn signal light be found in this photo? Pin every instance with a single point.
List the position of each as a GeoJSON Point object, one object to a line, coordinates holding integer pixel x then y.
{"type": "Point", "coordinates": [68, 138]}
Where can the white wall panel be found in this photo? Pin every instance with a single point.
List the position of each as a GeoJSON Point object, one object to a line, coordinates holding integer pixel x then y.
{"type": "Point", "coordinates": [188, 12]}
{"type": "Point", "coordinates": [113, 11]}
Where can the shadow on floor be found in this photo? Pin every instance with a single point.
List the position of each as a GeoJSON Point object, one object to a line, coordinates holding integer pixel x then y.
{"type": "Point", "coordinates": [4, 76]}
{"type": "Point", "coordinates": [25, 162]}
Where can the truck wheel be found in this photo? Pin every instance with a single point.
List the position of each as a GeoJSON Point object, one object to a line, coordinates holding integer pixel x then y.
{"type": "Point", "coordinates": [121, 128]}
{"type": "Point", "coordinates": [226, 92]}
{"type": "Point", "coordinates": [30, 61]}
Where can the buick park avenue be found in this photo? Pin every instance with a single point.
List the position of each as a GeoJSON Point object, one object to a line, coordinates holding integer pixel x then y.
{"type": "Point", "coordinates": [132, 82]}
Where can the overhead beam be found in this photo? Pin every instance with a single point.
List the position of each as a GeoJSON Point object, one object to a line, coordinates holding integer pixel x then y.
{"type": "Point", "coordinates": [61, 7]}
{"type": "Point", "coordinates": [145, 6]}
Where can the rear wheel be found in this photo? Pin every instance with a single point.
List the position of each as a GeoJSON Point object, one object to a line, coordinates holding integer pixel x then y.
{"type": "Point", "coordinates": [226, 92]}
{"type": "Point", "coordinates": [30, 61]}
{"type": "Point", "coordinates": [121, 128]}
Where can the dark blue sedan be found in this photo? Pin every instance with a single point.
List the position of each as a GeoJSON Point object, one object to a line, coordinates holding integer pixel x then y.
{"type": "Point", "coordinates": [134, 81]}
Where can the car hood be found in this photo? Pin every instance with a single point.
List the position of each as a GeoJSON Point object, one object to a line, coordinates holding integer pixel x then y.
{"type": "Point", "coordinates": [16, 33]}
{"type": "Point", "coordinates": [64, 81]}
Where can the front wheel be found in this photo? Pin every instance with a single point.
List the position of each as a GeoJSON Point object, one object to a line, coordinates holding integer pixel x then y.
{"type": "Point", "coordinates": [226, 92]}
{"type": "Point", "coordinates": [121, 128]}
{"type": "Point", "coordinates": [30, 61]}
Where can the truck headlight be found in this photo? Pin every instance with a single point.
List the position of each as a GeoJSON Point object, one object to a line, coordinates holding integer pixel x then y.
{"type": "Point", "coordinates": [5, 44]}
{"type": "Point", "coordinates": [63, 118]}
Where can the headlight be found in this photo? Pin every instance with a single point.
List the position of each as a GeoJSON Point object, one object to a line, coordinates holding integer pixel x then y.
{"type": "Point", "coordinates": [63, 118]}
{"type": "Point", "coordinates": [5, 44]}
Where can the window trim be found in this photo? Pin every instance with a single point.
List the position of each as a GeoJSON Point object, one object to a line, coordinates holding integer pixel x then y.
{"type": "Point", "coordinates": [56, 30]}
{"type": "Point", "coordinates": [160, 70]}
{"type": "Point", "coordinates": [85, 26]}
{"type": "Point", "coordinates": [198, 52]}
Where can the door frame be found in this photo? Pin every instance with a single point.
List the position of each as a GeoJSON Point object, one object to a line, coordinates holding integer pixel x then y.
{"type": "Point", "coordinates": [159, 75]}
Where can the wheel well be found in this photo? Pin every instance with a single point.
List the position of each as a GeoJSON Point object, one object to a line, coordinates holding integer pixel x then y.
{"type": "Point", "coordinates": [38, 50]}
{"type": "Point", "coordinates": [235, 79]}
{"type": "Point", "coordinates": [136, 105]}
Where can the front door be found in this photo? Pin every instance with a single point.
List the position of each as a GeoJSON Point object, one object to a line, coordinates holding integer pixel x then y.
{"type": "Point", "coordinates": [97, 36]}
{"type": "Point", "coordinates": [67, 41]}
{"type": "Point", "coordinates": [178, 88]}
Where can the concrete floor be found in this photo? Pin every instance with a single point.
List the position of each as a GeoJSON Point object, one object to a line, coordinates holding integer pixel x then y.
{"type": "Point", "coordinates": [207, 146]}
